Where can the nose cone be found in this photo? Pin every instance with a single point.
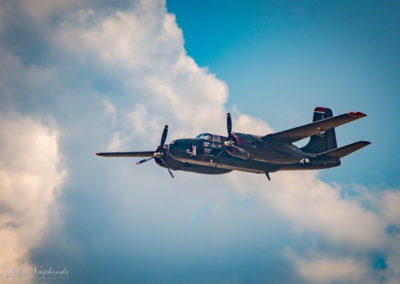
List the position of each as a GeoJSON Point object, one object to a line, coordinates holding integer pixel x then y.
{"type": "Point", "coordinates": [181, 148]}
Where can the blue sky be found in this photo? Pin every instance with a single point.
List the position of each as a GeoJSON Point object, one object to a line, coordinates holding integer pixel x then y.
{"type": "Point", "coordinates": [78, 77]}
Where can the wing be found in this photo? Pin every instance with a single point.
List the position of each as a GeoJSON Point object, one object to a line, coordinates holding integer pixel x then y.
{"type": "Point", "coordinates": [127, 154]}
{"type": "Point", "coordinates": [301, 132]}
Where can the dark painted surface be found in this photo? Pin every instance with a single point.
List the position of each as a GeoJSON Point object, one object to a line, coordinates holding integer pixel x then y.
{"type": "Point", "coordinates": [216, 154]}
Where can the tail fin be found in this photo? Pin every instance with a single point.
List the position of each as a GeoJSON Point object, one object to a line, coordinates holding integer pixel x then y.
{"type": "Point", "coordinates": [324, 141]}
{"type": "Point", "coordinates": [344, 151]}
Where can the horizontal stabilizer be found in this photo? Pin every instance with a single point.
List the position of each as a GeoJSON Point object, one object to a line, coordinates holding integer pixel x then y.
{"type": "Point", "coordinates": [345, 150]}
{"type": "Point", "coordinates": [127, 154]}
{"type": "Point", "coordinates": [301, 132]}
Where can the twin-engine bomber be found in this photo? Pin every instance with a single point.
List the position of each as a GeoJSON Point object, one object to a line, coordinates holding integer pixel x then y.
{"type": "Point", "coordinates": [216, 154]}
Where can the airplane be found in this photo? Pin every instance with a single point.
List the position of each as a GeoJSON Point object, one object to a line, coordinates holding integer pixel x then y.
{"type": "Point", "coordinates": [216, 154]}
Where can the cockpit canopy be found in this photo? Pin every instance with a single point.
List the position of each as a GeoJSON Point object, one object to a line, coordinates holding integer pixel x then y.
{"type": "Point", "coordinates": [209, 137]}
{"type": "Point", "coordinates": [205, 136]}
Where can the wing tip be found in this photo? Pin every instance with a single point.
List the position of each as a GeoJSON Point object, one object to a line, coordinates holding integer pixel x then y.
{"type": "Point", "coordinates": [357, 114]}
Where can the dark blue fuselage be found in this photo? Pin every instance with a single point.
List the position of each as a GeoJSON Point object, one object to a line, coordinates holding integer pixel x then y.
{"type": "Point", "coordinates": [207, 154]}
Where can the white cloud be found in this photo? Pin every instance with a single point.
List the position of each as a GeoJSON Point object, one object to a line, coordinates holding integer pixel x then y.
{"type": "Point", "coordinates": [110, 110]}
{"type": "Point", "coordinates": [390, 205]}
{"type": "Point", "coordinates": [328, 269]}
{"type": "Point", "coordinates": [312, 204]}
{"type": "Point", "coordinates": [316, 207]}
{"type": "Point", "coordinates": [43, 9]}
{"type": "Point", "coordinates": [29, 180]}
{"type": "Point", "coordinates": [144, 46]}
{"type": "Point", "coordinates": [143, 49]}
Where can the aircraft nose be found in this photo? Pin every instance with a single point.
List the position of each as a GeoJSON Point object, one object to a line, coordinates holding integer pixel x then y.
{"type": "Point", "coordinates": [180, 148]}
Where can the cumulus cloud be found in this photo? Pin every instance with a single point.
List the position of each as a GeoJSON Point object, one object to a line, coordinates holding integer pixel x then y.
{"type": "Point", "coordinates": [30, 180]}
{"type": "Point", "coordinates": [110, 110]}
{"type": "Point", "coordinates": [42, 10]}
{"type": "Point", "coordinates": [119, 75]}
{"type": "Point", "coordinates": [328, 269]}
{"type": "Point", "coordinates": [144, 46]}
{"type": "Point", "coordinates": [316, 205]}
{"type": "Point", "coordinates": [356, 224]}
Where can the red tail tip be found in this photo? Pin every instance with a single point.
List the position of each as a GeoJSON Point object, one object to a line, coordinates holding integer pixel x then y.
{"type": "Point", "coordinates": [137, 163]}
{"type": "Point", "coordinates": [357, 114]}
{"type": "Point", "coordinates": [228, 114]}
{"type": "Point", "coordinates": [320, 109]}
{"type": "Point", "coordinates": [97, 154]}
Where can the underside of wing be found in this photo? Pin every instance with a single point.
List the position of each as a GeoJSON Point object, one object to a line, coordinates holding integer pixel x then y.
{"type": "Point", "coordinates": [127, 154]}
{"type": "Point", "coordinates": [301, 132]}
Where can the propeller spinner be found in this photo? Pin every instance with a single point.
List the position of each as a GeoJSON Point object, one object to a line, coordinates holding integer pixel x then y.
{"type": "Point", "coordinates": [231, 141]}
{"type": "Point", "coordinates": [159, 152]}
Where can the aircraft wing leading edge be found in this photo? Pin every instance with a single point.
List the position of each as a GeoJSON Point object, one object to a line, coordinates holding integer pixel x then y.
{"type": "Point", "coordinates": [308, 130]}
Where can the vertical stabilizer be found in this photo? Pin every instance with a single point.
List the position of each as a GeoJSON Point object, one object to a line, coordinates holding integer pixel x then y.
{"type": "Point", "coordinates": [324, 141]}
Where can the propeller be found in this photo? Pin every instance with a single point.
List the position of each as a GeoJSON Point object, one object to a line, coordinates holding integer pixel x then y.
{"type": "Point", "coordinates": [246, 155]}
{"type": "Point", "coordinates": [144, 160]}
{"type": "Point", "coordinates": [230, 141]}
{"type": "Point", "coordinates": [158, 154]}
{"type": "Point", "coordinates": [165, 165]}
{"type": "Point", "coordinates": [229, 124]}
{"type": "Point", "coordinates": [164, 136]}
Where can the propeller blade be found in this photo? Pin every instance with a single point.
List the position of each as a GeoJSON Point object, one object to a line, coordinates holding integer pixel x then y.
{"type": "Point", "coordinates": [246, 155]}
{"type": "Point", "coordinates": [144, 160]}
{"type": "Point", "coordinates": [229, 124]}
{"type": "Point", "coordinates": [170, 173]}
{"type": "Point", "coordinates": [165, 165]}
{"type": "Point", "coordinates": [164, 136]}
{"type": "Point", "coordinates": [220, 152]}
